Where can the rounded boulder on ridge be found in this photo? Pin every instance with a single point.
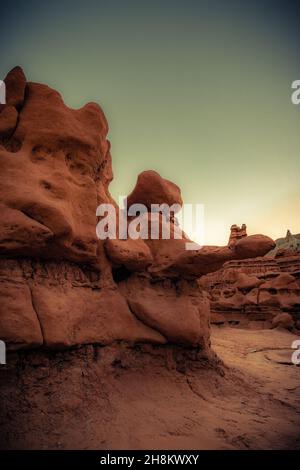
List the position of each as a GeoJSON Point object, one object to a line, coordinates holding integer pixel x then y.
{"type": "Point", "coordinates": [151, 188]}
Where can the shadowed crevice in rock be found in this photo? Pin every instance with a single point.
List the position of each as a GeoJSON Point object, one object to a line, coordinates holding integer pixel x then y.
{"type": "Point", "coordinates": [121, 274]}
{"type": "Point", "coordinates": [37, 315]}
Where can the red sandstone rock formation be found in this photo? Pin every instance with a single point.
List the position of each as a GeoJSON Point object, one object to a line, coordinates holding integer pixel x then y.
{"type": "Point", "coordinates": [151, 188]}
{"type": "Point", "coordinates": [236, 233]}
{"type": "Point", "coordinates": [283, 320]}
{"type": "Point", "coordinates": [59, 285]}
{"type": "Point", "coordinates": [255, 292]}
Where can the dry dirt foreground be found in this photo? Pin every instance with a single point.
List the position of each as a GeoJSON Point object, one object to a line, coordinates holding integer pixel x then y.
{"type": "Point", "coordinates": [268, 417]}
{"type": "Point", "coordinates": [149, 397]}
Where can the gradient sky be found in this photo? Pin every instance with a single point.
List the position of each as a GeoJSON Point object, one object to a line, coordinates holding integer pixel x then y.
{"type": "Point", "coordinates": [197, 90]}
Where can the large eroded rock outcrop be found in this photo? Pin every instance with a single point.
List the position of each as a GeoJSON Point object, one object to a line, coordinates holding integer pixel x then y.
{"type": "Point", "coordinates": [261, 292]}
{"type": "Point", "coordinates": [60, 286]}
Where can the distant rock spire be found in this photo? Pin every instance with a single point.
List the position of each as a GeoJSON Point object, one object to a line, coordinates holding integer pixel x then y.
{"type": "Point", "coordinates": [288, 235]}
{"type": "Point", "coordinates": [236, 233]}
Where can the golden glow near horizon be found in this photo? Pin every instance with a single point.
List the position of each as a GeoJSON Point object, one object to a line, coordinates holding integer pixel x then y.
{"type": "Point", "coordinates": [198, 91]}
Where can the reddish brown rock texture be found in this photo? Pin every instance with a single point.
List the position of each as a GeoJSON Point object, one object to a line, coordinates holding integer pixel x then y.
{"type": "Point", "coordinates": [261, 292]}
{"type": "Point", "coordinates": [60, 286]}
{"type": "Point", "coordinates": [151, 188]}
{"type": "Point", "coordinates": [236, 233]}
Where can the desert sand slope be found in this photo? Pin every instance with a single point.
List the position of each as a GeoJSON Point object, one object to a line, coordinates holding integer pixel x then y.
{"type": "Point", "coordinates": [269, 417]}
{"type": "Point", "coordinates": [122, 397]}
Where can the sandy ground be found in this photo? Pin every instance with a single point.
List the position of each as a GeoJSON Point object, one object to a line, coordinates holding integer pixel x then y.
{"type": "Point", "coordinates": [123, 397]}
{"type": "Point", "coordinates": [263, 359]}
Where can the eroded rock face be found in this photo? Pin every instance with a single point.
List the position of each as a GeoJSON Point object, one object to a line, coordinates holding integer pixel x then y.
{"type": "Point", "coordinates": [151, 188]}
{"type": "Point", "coordinates": [177, 309]}
{"type": "Point", "coordinates": [283, 320]}
{"type": "Point", "coordinates": [134, 255]}
{"type": "Point", "coordinates": [54, 170]}
{"type": "Point", "coordinates": [261, 292]}
{"type": "Point", "coordinates": [60, 286]}
{"type": "Point", "coordinates": [176, 260]}
{"type": "Point", "coordinates": [60, 304]}
{"type": "Point", "coordinates": [236, 233]}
